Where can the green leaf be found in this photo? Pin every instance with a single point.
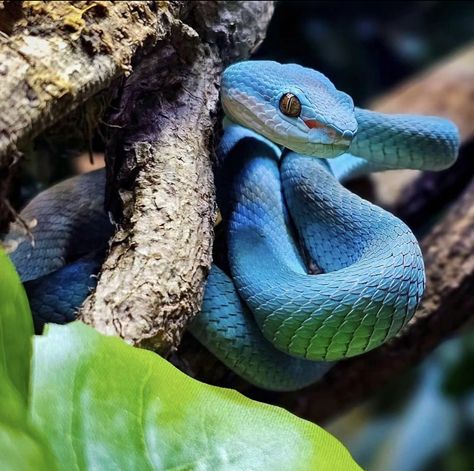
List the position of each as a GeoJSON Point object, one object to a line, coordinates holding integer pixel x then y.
{"type": "Point", "coordinates": [106, 405]}
{"type": "Point", "coordinates": [21, 447]}
{"type": "Point", "coordinates": [16, 328]}
{"type": "Point", "coordinates": [101, 404]}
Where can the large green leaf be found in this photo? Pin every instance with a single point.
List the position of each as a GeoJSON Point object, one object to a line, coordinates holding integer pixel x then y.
{"type": "Point", "coordinates": [101, 404]}
{"type": "Point", "coordinates": [105, 405]}
{"type": "Point", "coordinates": [16, 328]}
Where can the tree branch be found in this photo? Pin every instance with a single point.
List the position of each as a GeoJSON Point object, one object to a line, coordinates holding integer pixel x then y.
{"type": "Point", "coordinates": [160, 178]}
{"type": "Point", "coordinates": [54, 56]}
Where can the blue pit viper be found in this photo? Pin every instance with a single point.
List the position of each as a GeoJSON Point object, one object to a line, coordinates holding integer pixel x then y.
{"type": "Point", "coordinates": [317, 274]}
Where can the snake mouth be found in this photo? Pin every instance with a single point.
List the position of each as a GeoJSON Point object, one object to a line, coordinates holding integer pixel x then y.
{"type": "Point", "coordinates": [336, 138]}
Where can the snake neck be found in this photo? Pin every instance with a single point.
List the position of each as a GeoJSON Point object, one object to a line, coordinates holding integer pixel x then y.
{"type": "Point", "coordinates": [405, 141]}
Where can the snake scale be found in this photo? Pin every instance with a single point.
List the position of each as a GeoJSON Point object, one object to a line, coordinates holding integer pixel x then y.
{"type": "Point", "coordinates": [315, 274]}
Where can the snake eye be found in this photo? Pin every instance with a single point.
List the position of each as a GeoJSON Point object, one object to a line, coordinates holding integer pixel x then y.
{"type": "Point", "coordinates": [290, 105]}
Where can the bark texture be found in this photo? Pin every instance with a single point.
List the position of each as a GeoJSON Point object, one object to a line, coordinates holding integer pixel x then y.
{"type": "Point", "coordinates": [55, 55]}
{"type": "Point", "coordinates": [160, 175]}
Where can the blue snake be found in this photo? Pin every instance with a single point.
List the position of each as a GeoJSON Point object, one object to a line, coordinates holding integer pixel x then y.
{"type": "Point", "coordinates": [315, 273]}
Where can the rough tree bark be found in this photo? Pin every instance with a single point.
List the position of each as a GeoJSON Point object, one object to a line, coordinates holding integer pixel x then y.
{"type": "Point", "coordinates": [152, 282]}
{"type": "Point", "coordinates": [56, 55]}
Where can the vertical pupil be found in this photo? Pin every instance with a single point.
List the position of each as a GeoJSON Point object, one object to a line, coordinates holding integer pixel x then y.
{"type": "Point", "coordinates": [291, 100]}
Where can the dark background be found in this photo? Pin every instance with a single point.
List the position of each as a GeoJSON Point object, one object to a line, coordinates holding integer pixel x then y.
{"type": "Point", "coordinates": [367, 47]}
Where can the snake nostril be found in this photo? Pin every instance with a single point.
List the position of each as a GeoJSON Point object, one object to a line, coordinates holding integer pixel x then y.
{"type": "Point", "coordinates": [347, 135]}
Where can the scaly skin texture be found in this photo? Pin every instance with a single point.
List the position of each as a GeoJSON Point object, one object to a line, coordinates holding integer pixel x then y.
{"type": "Point", "coordinates": [68, 221]}
{"type": "Point", "coordinates": [321, 273]}
{"type": "Point", "coordinates": [372, 269]}
{"type": "Point", "coordinates": [405, 141]}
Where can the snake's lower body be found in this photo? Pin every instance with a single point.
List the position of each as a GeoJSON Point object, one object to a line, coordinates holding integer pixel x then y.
{"type": "Point", "coordinates": [316, 274]}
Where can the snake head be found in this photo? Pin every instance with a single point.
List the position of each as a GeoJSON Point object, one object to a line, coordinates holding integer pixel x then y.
{"type": "Point", "coordinates": [291, 105]}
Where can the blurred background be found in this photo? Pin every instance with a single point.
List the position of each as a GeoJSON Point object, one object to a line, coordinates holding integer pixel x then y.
{"type": "Point", "coordinates": [367, 47]}
{"type": "Point", "coordinates": [423, 420]}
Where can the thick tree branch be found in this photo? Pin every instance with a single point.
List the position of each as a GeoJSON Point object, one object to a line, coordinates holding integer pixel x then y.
{"type": "Point", "coordinates": [55, 55]}
{"type": "Point", "coordinates": [161, 187]}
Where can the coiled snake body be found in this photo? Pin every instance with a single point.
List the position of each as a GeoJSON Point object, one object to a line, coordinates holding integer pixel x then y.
{"type": "Point", "coordinates": [317, 273]}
